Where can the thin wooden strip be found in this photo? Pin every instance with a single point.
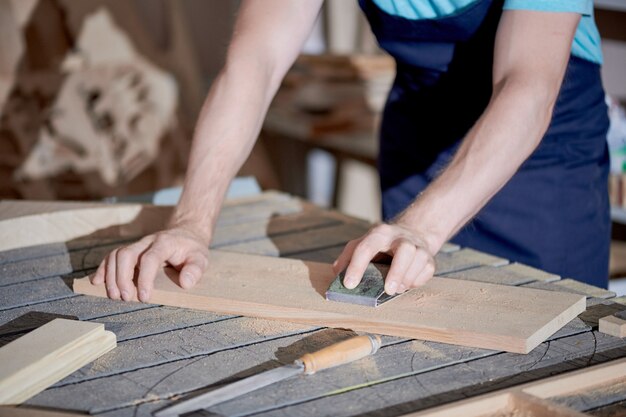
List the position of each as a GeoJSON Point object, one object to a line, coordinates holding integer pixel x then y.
{"type": "Point", "coordinates": [47, 354]}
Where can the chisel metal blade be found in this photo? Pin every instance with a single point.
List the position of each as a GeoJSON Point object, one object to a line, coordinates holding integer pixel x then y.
{"type": "Point", "coordinates": [231, 391]}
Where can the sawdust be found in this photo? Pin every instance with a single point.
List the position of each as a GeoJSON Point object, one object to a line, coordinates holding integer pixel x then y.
{"type": "Point", "coordinates": [268, 328]}
{"type": "Point", "coordinates": [511, 412]}
{"type": "Point", "coordinates": [418, 346]}
{"type": "Point", "coordinates": [369, 366]}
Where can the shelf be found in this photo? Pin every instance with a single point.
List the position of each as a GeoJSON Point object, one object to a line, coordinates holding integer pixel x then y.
{"type": "Point", "coordinates": [616, 5]}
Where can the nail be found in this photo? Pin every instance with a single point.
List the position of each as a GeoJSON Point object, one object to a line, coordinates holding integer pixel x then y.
{"type": "Point", "coordinates": [125, 295]}
{"type": "Point", "coordinates": [391, 290]}
{"type": "Point", "coordinates": [143, 295]}
{"type": "Point", "coordinates": [349, 283]}
{"type": "Point", "coordinates": [186, 280]}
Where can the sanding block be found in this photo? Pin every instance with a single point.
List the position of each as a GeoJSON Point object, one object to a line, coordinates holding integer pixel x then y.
{"type": "Point", "coordinates": [370, 291]}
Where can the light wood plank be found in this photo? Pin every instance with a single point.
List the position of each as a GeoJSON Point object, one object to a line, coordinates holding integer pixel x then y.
{"type": "Point", "coordinates": [44, 356]}
{"type": "Point", "coordinates": [445, 310]}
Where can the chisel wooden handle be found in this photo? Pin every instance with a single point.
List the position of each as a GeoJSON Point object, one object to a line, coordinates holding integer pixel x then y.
{"type": "Point", "coordinates": [340, 353]}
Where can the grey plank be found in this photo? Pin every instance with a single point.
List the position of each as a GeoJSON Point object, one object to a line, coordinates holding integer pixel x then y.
{"type": "Point", "coordinates": [398, 358]}
{"type": "Point", "coordinates": [614, 410]}
{"type": "Point", "coordinates": [275, 226]}
{"type": "Point", "coordinates": [573, 286]}
{"type": "Point", "coordinates": [182, 376]}
{"type": "Point", "coordinates": [183, 343]}
{"type": "Point", "coordinates": [27, 293]}
{"type": "Point", "coordinates": [537, 274]}
{"type": "Point", "coordinates": [428, 389]}
{"type": "Point", "coordinates": [294, 243]}
{"type": "Point", "coordinates": [493, 275]}
{"type": "Point", "coordinates": [30, 269]}
{"type": "Point", "coordinates": [448, 262]}
{"type": "Point", "coordinates": [82, 306]}
{"type": "Point", "coordinates": [594, 398]}
{"type": "Point", "coordinates": [325, 255]}
{"type": "Point", "coordinates": [55, 265]}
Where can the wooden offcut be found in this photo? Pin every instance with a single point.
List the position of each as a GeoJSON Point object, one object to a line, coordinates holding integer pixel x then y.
{"type": "Point", "coordinates": [444, 310]}
{"type": "Point", "coordinates": [46, 355]}
{"type": "Point", "coordinates": [615, 324]}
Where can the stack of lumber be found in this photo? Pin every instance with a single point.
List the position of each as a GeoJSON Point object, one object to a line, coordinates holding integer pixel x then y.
{"type": "Point", "coordinates": [82, 113]}
{"type": "Point", "coordinates": [617, 190]}
{"type": "Point", "coordinates": [333, 93]}
{"type": "Point", "coordinates": [48, 354]}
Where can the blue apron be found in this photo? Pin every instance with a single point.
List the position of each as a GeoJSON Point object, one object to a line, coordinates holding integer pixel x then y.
{"type": "Point", "coordinates": [554, 213]}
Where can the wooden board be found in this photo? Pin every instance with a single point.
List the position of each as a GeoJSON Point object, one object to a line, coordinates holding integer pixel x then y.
{"type": "Point", "coordinates": [35, 361]}
{"type": "Point", "coordinates": [445, 310]}
{"type": "Point", "coordinates": [530, 399]}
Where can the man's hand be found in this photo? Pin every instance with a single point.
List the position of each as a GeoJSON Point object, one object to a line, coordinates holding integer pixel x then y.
{"type": "Point", "coordinates": [412, 265]}
{"type": "Point", "coordinates": [179, 247]}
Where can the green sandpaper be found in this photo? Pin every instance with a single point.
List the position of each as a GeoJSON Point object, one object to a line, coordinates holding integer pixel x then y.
{"type": "Point", "coordinates": [370, 291]}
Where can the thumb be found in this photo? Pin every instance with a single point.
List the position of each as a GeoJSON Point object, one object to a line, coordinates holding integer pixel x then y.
{"type": "Point", "coordinates": [192, 271]}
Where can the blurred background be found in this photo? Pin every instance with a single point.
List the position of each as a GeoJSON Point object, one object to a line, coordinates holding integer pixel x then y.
{"type": "Point", "coordinates": [99, 99]}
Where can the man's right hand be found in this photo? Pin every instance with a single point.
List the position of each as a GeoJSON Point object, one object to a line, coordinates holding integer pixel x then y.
{"type": "Point", "coordinates": [179, 247]}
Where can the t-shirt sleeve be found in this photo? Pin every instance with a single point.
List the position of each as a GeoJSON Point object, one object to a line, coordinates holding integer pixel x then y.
{"type": "Point", "coordinates": [584, 7]}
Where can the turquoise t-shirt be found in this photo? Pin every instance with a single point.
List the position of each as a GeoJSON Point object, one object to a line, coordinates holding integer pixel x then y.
{"type": "Point", "coordinates": [586, 43]}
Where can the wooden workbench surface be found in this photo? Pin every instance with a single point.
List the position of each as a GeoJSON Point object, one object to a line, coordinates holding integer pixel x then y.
{"type": "Point", "coordinates": [164, 353]}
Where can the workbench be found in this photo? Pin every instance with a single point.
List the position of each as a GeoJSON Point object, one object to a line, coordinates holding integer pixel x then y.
{"type": "Point", "coordinates": [165, 353]}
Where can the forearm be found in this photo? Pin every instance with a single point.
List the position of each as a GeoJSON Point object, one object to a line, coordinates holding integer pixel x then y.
{"type": "Point", "coordinates": [267, 38]}
{"type": "Point", "coordinates": [227, 128]}
{"type": "Point", "coordinates": [503, 138]}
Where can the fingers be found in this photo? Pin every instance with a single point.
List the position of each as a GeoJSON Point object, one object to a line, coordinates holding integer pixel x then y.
{"type": "Point", "coordinates": [98, 277]}
{"type": "Point", "coordinates": [363, 253]}
{"type": "Point", "coordinates": [149, 264]}
{"type": "Point", "coordinates": [403, 257]}
{"type": "Point", "coordinates": [421, 270]}
{"type": "Point", "coordinates": [344, 258]}
{"type": "Point", "coordinates": [110, 276]}
{"type": "Point", "coordinates": [192, 270]}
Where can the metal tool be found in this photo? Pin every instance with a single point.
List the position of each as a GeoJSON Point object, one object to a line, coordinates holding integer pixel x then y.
{"type": "Point", "coordinates": [338, 354]}
{"type": "Point", "coordinates": [370, 291]}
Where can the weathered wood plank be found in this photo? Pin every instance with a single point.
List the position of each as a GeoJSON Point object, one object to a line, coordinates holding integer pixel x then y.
{"type": "Point", "coordinates": [275, 226]}
{"type": "Point", "coordinates": [23, 294]}
{"type": "Point", "coordinates": [435, 387]}
{"type": "Point", "coordinates": [294, 243]}
{"type": "Point", "coordinates": [493, 275]}
{"type": "Point", "coordinates": [180, 344]}
{"type": "Point", "coordinates": [574, 287]}
{"type": "Point", "coordinates": [600, 396]}
{"type": "Point", "coordinates": [83, 307]}
{"type": "Point", "coordinates": [397, 359]}
{"type": "Point", "coordinates": [536, 274]}
{"type": "Point", "coordinates": [448, 262]}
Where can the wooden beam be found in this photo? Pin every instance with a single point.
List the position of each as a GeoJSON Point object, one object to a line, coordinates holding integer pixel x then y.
{"type": "Point", "coordinates": [46, 355]}
{"type": "Point", "coordinates": [445, 310]}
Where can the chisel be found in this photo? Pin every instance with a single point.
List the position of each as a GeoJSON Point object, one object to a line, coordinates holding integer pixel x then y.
{"type": "Point", "coordinates": [338, 354]}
